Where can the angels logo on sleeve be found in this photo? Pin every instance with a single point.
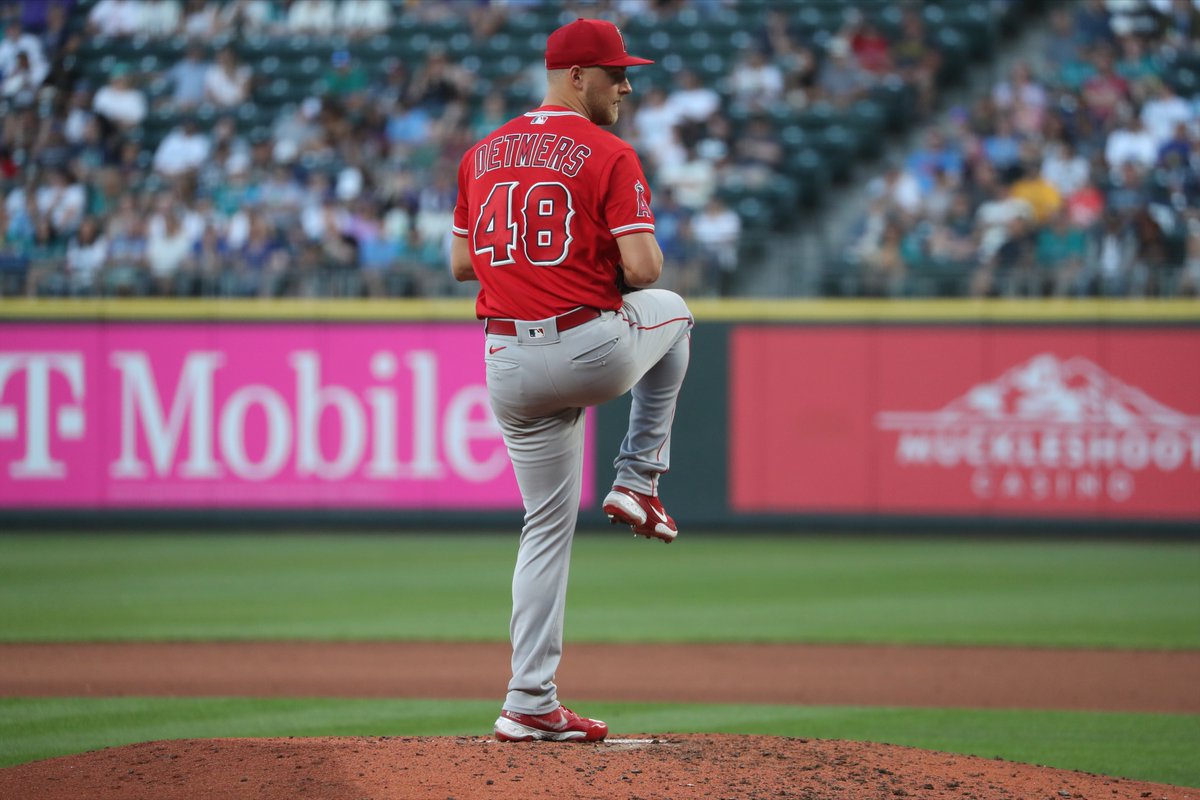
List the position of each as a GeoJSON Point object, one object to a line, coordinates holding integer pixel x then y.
{"type": "Point", "coordinates": [643, 207]}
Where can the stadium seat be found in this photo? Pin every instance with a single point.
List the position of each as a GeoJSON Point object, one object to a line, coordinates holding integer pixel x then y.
{"type": "Point", "coordinates": [974, 22]}
{"type": "Point", "coordinates": [839, 145]}
{"type": "Point", "coordinates": [809, 173]}
{"type": "Point", "coordinates": [955, 53]}
{"type": "Point", "coordinates": [867, 119]}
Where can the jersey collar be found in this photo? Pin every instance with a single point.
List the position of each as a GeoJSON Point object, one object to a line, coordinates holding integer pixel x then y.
{"type": "Point", "coordinates": [554, 111]}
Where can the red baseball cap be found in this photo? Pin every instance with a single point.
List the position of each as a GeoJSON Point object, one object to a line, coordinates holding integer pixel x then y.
{"type": "Point", "coordinates": [589, 43]}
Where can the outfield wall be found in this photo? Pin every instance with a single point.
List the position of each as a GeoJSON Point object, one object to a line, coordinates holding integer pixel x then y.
{"type": "Point", "coordinates": [793, 412]}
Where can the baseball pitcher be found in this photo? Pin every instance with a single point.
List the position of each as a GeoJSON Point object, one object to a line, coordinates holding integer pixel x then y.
{"type": "Point", "coordinates": [553, 219]}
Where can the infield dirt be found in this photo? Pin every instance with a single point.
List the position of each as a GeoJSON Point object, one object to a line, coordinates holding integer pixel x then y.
{"type": "Point", "coordinates": [654, 767]}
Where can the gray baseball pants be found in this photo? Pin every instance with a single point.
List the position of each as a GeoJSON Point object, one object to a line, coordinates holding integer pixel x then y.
{"type": "Point", "coordinates": [539, 388]}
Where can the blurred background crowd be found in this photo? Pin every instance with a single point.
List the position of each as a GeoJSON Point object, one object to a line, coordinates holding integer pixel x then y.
{"type": "Point", "coordinates": [262, 148]}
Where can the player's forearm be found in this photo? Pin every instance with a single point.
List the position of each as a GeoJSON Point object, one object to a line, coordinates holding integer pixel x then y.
{"type": "Point", "coordinates": [460, 261]}
{"type": "Point", "coordinates": [641, 259]}
{"type": "Point", "coordinates": [463, 273]}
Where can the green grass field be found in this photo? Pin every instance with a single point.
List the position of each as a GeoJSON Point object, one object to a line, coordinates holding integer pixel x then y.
{"type": "Point", "coordinates": [1115, 594]}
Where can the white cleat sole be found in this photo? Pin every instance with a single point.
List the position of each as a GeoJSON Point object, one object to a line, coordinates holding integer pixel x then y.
{"type": "Point", "coordinates": [508, 730]}
{"type": "Point", "coordinates": [623, 509]}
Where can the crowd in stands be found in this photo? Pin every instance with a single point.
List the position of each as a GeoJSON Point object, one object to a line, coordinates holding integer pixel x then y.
{"type": "Point", "coordinates": [1078, 176]}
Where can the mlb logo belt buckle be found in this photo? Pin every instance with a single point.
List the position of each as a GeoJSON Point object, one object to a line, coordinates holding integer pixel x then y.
{"type": "Point", "coordinates": [542, 331]}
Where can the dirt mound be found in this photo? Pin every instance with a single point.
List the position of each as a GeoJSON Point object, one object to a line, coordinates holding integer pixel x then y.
{"type": "Point", "coordinates": [654, 768]}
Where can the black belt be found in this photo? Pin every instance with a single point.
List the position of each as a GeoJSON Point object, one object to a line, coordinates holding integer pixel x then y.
{"type": "Point", "coordinates": [564, 322]}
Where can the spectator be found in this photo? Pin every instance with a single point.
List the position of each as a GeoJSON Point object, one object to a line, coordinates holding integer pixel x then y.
{"type": "Point", "coordinates": [953, 239]}
{"type": "Point", "coordinates": [201, 21]}
{"type": "Point", "coordinates": [61, 202]}
{"type": "Point", "coordinates": [119, 103]}
{"type": "Point", "coordinates": [125, 269]}
{"type": "Point", "coordinates": [346, 81]}
{"type": "Point", "coordinates": [1154, 261]}
{"type": "Point", "coordinates": [693, 180]}
{"type": "Point", "coordinates": [78, 117]}
{"type": "Point", "coordinates": [1105, 92]}
{"type": "Point", "coordinates": [916, 59]}
{"type": "Point", "coordinates": [654, 121]}
{"type": "Point", "coordinates": [1135, 64]}
{"type": "Point", "coordinates": [20, 83]}
{"type": "Point", "coordinates": [393, 88]}
{"type": "Point", "coordinates": [316, 17]}
{"type": "Point", "coordinates": [755, 83]}
{"type": "Point", "coordinates": [492, 114]}
{"type": "Point", "coordinates": [187, 78]}
{"type": "Point", "coordinates": [57, 39]}
{"type": "Point", "coordinates": [182, 151]}
{"type": "Point", "coordinates": [885, 267]}
{"type": "Point", "coordinates": [20, 204]}
{"type": "Point", "coordinates": [871, 48]}
{"type": "Point", "coordinates": [359, 18]}
{"type": "Point", "coordinates": [841, 80]}
{"type": "Point", "coordinates": [261, 260]}
{"type": "Point", "coordinates": [207, 263]}
{"type": "Point", "coordinates": [1174, 171]}
{"type": "Point", "coordinates": [226, 82]}
{"type": "Point", "coordinates": [1013, 270]}
{"type": "Point", "coordinates": [673, 230]}
{"type": "Point", "coordinates": [159, 19]}
{"type": "Point", "coordinates": [1091, 23]}
{"type": "Point", "coordinates": [15, 44]}
{"type": "Point", "coordinates": [45, 253]}
{"type": "Point", "coordinates": [1130, 142]}
{"type": "Point", "coordinates": [936, 155]}
{"type": "Point", "coordinates": [167, 250]}
{"type": "Point", "coordinates": [1163, 111]}
{"type": "Point", "coordinates": [899, 189]}
{"type": "Point", "coordinates": [1189, 278]}
{"type": "Point", "coordinates": [86, 254]}
{"type": "Point", "coordinates": [993, 219]}
{"type": "Point", "coordinates": [1064, 168]}
{"type": "Point", "coordinates": [438, 82]}
{"type": "Point", "coordinates": [1061, 250]}
{"type": "Point", "coordinates": [1065, 63]}
{"type": "Point", "coordinates": [281, 197]}
{"type": "Point", "coordinates": [115, 18]}
{"type": "Point", "coordinates": [1031, 186]}
{"type": "Point", "coordinates": [255, 17]}
{"type": "Point", "coordinates": [692, 103]}
{"type": "Point", "coordinates": [297, 129]}
{"type": "Point", "coordinates": [1111, 255]}
{"type": "Point", "coordinates": [777, 34]}
{"type": "Point", "coordinates": [1022, 98]}
{"type": "Point", "coordinates": [757, 153]}
{"type": "Point", "coordinates": [718, 232]}
{"type": "Point", "coordinates": [1020, 88]}
{"type": "Point", "coordinates": [1128, 190]}
{"type": "Point", "coordinates": [1181, 21]}
{"type": "Point", "coordinates": [938, 199]}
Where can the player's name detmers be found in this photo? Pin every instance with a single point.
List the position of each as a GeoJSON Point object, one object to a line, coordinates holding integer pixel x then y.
{"type": "Point", "coordinates": [540, 150]}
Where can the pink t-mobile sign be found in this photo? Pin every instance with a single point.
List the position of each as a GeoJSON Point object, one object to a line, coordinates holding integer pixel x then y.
{"type": "Point", "coordinates": [250, 415]}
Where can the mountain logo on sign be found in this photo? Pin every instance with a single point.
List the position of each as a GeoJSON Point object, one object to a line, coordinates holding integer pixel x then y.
{"type": "Point", "coordinates": [1049, 428]}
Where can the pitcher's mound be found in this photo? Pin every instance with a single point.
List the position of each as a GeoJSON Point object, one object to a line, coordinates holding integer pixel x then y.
{"type": "Point", "coordinates": [625, 767]}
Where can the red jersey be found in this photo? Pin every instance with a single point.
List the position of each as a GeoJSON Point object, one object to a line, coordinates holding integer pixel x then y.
{"type": "Point", "coordinates": [541, 203]}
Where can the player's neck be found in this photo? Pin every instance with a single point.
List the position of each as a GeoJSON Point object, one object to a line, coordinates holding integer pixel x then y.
{"type": "Point", "coordinates": [554, 98]}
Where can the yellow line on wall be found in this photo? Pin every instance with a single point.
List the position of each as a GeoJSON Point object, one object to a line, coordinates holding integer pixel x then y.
{"type": "Point", "coordinates": [463, 310]}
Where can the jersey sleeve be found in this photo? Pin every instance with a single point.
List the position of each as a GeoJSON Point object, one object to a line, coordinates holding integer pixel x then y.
{"type": "Point", "coordinates": [460, 206]}
{"type": "Point", "coordinates": [627, 202]}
